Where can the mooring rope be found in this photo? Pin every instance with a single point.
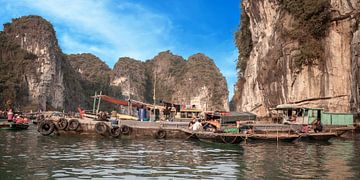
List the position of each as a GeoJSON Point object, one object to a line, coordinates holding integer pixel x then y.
{"type": "Point", "coordinates": [222, 138]}
{"type": "Point", "coordinates": [190, 136]}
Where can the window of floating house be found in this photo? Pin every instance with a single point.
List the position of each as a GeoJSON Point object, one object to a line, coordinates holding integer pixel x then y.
{"type": "Point", "coordinates": [189, 115]}
{"type": "Point", "coordinates": [183, 115]}
{"type": "Point", "coordinates": [306, 112]}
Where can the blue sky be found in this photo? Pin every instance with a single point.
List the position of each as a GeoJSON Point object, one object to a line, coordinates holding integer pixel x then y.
{"type": "Point", "coordinates": [140, 29]}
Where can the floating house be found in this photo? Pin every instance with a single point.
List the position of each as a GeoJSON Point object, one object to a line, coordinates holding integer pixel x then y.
{"type": "Point", "coordinates": [293, 114]}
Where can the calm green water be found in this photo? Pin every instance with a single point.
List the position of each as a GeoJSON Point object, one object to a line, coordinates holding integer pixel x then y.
{"type": "Point", "coordinates": [28, 155]}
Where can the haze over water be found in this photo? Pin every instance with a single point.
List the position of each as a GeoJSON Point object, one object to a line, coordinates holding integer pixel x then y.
{"type": "Point", "coordinates": [29, 155]}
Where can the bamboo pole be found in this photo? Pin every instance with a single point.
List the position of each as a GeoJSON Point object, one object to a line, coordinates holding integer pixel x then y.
{"type": "Point", "coordinates": [98, 106]}
{"type": "Point", "coordinates": [154, 97]}
{"type": "Point", "coordinates": [94, 104]}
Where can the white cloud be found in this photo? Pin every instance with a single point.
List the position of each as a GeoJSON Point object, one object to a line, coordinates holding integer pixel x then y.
{"type": "Point", "coordinates": [118, 29]}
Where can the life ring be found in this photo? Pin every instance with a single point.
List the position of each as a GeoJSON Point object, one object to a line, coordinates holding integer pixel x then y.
{"type": "Point", "coordinates": [62, 123]}
{"type": "Point", "coordinates": [73, 124]}
{"type": "Point", "coordinates": [125, 129]}
{"type": "Point", "coordinates": [160, 134]}
{"type": "Point", "coordinates": [115, 132]}
{"type": "Point", "coordinates": [46, 127]}
{"type": "Point", "coordinates": [101, 128]}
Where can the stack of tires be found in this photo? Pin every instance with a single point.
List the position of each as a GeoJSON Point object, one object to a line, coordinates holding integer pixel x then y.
{"type": "Point", "coordinates": [115, 131]}
{"type": "Point", "coordinates": [47, 127]}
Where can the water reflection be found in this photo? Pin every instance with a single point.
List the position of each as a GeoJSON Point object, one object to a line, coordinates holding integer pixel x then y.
{"type": "Point", "coordinates": [27, 155]}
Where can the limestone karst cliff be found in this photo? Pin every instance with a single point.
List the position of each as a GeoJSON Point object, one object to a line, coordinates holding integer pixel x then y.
{"type": "Point", "coordinates": [196, 81]}
{"type": "Point", "coordinates": [298, 51]}
{"type": "Point", "coordinates": [91, 75]}
{"type": "Point", "coordinates": [45, 80]}
{"type": "Point", "coordinates": [35, 74]}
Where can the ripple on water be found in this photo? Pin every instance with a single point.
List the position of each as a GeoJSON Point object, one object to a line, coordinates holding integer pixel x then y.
{"type": "Point", "coordinates": [92, 158]}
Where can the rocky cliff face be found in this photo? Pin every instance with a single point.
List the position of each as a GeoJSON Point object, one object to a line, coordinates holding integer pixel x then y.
{"type": "Point", "coordinates": [129, 74]}
{"type": "Point", "coordinates": [36, 74]}
{"type": "Point", "coordinates": [194, 82]}
{"type": "Point", "coordinates": [88, 74]}
{"type": "Point", "coordinates": [36, 36]}
{"type": "Point", "coordinates": [298, 51]}
{"type": "Point", "coordinates": [14, 62]}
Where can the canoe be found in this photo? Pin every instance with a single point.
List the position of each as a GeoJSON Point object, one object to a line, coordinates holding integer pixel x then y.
{"type": "Point", "coordinates": [14, 126]}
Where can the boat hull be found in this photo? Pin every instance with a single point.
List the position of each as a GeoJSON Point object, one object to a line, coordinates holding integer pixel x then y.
{"type": "Point", "coordinates": [319, 136]}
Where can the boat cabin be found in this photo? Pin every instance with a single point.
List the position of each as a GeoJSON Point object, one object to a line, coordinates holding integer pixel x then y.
{"type": "Point", "coordinates": [292, 114]}
{"type": "Point", "coordinates": [187, 114]}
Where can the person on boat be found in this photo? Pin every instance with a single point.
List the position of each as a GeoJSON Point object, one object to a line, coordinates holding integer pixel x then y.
{"type": "Point", "coordinates": [157, 114]}
{"type": "Point", "coordinates": [318, 125]}
{"type": "Point", "coordinates": [250, 130]}
{"type": "Point", "coordinates": [172, 113]}
{"type": "Point", "coordinates": [305, 128]}
{"type": "Point", "coordinates": [197, 126]}
{"type": "Point", "coordinates": [113, 118]}
{"type": "Point", "coordinates": [192, 122]}
{"type": "Point", "coordinates": [18, 119]}
{"type": "Point", "coordinates": [113, 114]}
{"type": "Point", "coordinates": [81, 112]}
{"type": "Point", "coordinates": [21, 120]}
{"type": "Point", "coordinates": [26, 120]}
{"type": "Point", "coordinates": [10, 115]}
{"type": "Point", "coordinates": [147, 114]}
{"type": "Point", "coordinates": [142, 113]}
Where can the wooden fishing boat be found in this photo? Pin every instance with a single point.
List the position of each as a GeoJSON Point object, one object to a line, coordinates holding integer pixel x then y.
{"type": "Point", "coordinates": [236, 138]}
{"type": "Point", "coordinates": [340, 130]}
{"type": "Point", "coordinates": [14, 126]}
{"type": "Point", "coordinates": [21, 126]}
{"type": "Point", "coordinates": [321, 136]}
{"type": "Point", "coordinates": [274, 137]}
{"type": "Point", "coordinates": [226, 138]}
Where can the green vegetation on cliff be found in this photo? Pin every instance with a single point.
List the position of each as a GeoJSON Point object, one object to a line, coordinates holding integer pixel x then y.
{"type": "Point", "coordinates": [14, 62]}
{"type": "Point", "coordinates": [312, 21]}
{"type": "Point", "coordinates": [177, 80]}
{"type": "Point", "coordinates": [83, 75]}
{"type": "Point", "coordinates": [243, 42]}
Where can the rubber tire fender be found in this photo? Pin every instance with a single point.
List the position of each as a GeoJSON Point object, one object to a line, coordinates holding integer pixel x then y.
{"type": "Point", "coordinates": [160, 134]}
{"type": "Point", "coordinates": [46, 127]}
{"type": "Point", "coordinates": [115, 132]}
{"type": "Point", "coordinates": [62, 124]}
{"type": "Point", "coordinates": [126, 130]}
{"type": "Point", "coordinates": [73, 124]}
{"type": "Point", "coordinates": [101, 128]}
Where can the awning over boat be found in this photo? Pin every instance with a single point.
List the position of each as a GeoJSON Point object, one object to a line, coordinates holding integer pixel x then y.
{"type": "Point", "coordinates": [287, 106]}
{"type": "Point", "coordinates": [134, 103]}
{"type": "Point", "coordinates": [113, 100]}
{"type": "Point", "coordinates": [293, 107]}
{"type": "Point", "coordinates": [232, 117]}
